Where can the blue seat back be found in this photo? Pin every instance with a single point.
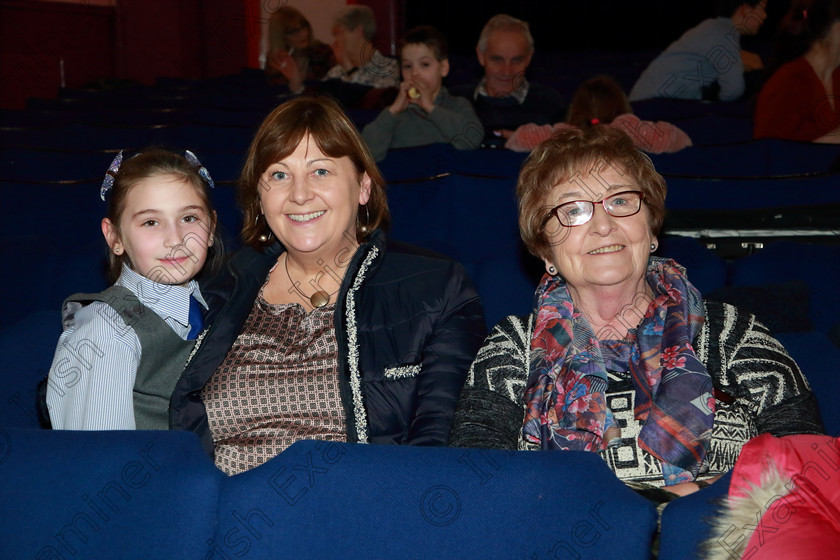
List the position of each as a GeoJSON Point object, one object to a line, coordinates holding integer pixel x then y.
{"type": "Point", "coordinates": [331, 500]}
{"type": "Point", "coordinates": [133, 495]}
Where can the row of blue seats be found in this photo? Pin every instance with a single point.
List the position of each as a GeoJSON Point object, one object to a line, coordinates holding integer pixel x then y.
{"type": "Point", "coordinates": [743, 168]}
{"type": "Point", "coordinates": [471, 219]}
{"type": "Point", "coordinates": [236, 98]}
{"type": "Point", "coordinates": [140, 495]}
{"type": "Point", "coordinates": [84, 137]}
{"type": "Point", "coordinates": [469, 216]}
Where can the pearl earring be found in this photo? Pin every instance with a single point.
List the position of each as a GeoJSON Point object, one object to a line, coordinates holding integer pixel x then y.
{"type": "Point", "coordinates": [652, 247]}
{"type": "Point", "coordinates": [264, 237]}
{"type": "Point", "coordinates": [552, 270]}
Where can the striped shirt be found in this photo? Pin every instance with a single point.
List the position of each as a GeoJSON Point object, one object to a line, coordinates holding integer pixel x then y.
{"type": "Point", "coordinates": [378, 71]}
{"type": "Point", "coordinates": [520, 94]}
{"type": "Point", "coordinates": [91, 379]}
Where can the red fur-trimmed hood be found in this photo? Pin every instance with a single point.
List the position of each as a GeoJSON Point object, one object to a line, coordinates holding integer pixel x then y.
{"type": "Point", "coordinates": [784, 501]}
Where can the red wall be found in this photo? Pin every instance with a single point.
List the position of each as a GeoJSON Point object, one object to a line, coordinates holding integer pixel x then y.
{"type": "Point", "coordinates": [390, 25]}
{"type": "Point", "coordinates": [35, 36]}
{"type": "Point", "coordinates": [136, 40]}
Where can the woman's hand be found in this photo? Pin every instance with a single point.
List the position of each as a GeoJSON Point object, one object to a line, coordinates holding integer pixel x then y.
{"type": "Point", "coordinates": [686, 488]}
{"type": "Point", "coordinates": [283, 62]}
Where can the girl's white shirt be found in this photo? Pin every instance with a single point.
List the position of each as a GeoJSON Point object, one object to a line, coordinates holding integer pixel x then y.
{"type": "Point", "coordinates": [92, 376]}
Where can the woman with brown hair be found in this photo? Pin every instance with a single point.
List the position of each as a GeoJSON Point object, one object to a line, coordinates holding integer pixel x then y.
{"type": "Point", "coordinates": [622, 356]}
{"type": "Point", "coordinates": [322, 328]}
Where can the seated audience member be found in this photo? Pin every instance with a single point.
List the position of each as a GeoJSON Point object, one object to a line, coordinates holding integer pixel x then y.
{"type": "Point", "coordinates": [322, 328]}
{"type": "Point", "coordinates": [800, 100]}
{"type": "Point", "coordinates": [424, 112]}
{"type": "Point", "coordinates": [504, 99]}
{"type": "Point", "coordinates": [622, 356]}
{"type": "Point", "coordinates": [295, 56]}
{"type": "Point", "coordinates": [707, 58]}
{"type": "Point", "coordinates": [600, 100]}
{"type": "Point", "coordinates": [359, 62]}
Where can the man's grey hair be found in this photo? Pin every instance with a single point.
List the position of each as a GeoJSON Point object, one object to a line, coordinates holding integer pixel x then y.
{"type": "Point", "coordinates": [352, 17]}
{"type": "Point", "coordinates": [504, 22]}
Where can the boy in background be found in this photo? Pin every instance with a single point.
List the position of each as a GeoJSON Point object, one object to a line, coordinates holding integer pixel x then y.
{"type": "Point", "coordinates": [424, 112]}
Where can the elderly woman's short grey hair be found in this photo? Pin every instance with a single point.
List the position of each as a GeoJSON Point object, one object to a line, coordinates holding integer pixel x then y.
{"type": "Point", "coordinates": [573, 151]}
{"type": "Point", "coordinates": [352, 17]}
{"type": "Point", "coordinates": [504, 22]}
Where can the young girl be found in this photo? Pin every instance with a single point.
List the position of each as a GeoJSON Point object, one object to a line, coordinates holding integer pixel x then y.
{"type": "Point", "coordinates": [122, 350]}
{"type": "Point", "coordinates": [601, 100]}
{"type": "Point", "coordinates": [424, 111]}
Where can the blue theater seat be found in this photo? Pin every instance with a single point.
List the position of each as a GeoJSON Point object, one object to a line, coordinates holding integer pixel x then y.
{"type": "Point", "coordinates": [331, 500]}
{"type": "Point", "coordinates": [715, 129]}
{"type": "Point", "coordinates": [705, 269]}
{"type": "Point", "coordinates": [423, 162]}
{"type": "Point", "coordinates": [210, 138]}
{"type": "Point", "coordinates": [44, 272]}
{"type": "Point", "coordinates": [685, 521]}
{"type": "Point", "coordinates": [818, 266]}
{"type": "Point", "coordinates": [26, 351]}
{"type": "Point", "coordinates": [32, 165]}
{"type": "Point", "coordinates": [722, 193]}
{"type": "Point", "coordinates": [111, 494]}
{"type": "Point", "coordinates": [506, 281]}
{"type": "Point", "coordinates": [819, 360]}
{"type": "Point", "coordinates": [755, 158]}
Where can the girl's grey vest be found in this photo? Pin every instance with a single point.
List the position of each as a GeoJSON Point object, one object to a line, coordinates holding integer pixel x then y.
{"type": "Point", "coordinates": [162, 359]}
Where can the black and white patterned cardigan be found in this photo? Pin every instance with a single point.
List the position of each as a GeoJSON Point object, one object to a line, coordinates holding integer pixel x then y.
{"type": "Point", "coordinates": [759, 388]}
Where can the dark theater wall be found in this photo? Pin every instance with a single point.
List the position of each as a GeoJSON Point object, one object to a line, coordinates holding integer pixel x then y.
{"type": "Point", "coordinates": [136, 40]}
{"type": "Point", "coordinates": [35, 37]}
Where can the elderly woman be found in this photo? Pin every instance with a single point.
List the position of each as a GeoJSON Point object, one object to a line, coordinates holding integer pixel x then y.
{"type": "Point", "coordinates": [321, 328]}
{"type": "Point", "coordinates": [621, 355]}
{"type": "Point", "coordinates": [295, 56]}
{"type": "Point", "coordinates": [358, 60]}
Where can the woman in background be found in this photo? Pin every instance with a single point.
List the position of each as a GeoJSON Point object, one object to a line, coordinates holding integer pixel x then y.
{"type": "Point", "coordinates": [295, 56]}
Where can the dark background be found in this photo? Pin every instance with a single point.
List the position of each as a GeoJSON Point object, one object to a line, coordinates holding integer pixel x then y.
{"type": "Point", "coordinates": [141, 40]}
{"type": "Point", "coordinates": [569, 26]}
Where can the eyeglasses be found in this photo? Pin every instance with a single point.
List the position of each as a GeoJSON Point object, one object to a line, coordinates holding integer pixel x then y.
{"type": "Point", "coordinates": [578, 212]}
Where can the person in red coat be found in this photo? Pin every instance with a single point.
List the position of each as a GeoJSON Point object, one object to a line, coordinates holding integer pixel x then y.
{"type": "Point", "coordinates": [800, 100]}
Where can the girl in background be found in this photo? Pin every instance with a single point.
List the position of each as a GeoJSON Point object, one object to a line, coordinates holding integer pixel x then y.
{"type": "Point", "coordinates": [600, 100]}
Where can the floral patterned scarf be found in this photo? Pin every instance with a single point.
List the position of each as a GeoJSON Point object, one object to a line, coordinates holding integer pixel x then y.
{"type": "Point", "coordinates": [565, 396]}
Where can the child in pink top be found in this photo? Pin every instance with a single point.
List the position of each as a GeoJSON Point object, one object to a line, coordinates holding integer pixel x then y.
{"type": "Point", "coordinates": [600, 100]}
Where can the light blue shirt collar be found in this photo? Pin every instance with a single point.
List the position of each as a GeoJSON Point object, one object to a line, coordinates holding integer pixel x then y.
{"type": "Point", "coordinates": [166, 300]}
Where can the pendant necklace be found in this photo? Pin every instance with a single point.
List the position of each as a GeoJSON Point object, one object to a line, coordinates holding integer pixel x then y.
{"type": "Point", "coordinates": [318, 299]}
